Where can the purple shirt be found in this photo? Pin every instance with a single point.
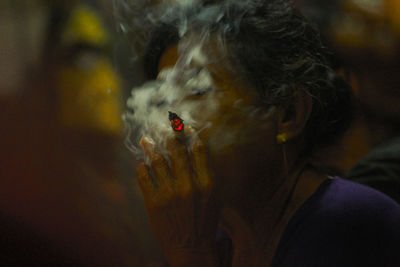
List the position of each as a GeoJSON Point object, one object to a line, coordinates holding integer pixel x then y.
{"type": "Point", "coordinates": [341, 224]}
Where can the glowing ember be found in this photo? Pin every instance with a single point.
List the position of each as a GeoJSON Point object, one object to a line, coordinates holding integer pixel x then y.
{"type": "Point", "coordinates": [176, 122]}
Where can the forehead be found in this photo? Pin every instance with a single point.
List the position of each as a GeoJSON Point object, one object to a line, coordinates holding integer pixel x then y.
{"type": "Point", "coordinates": [225, 78]}
{"type": "Point", "coordinates": [169, 57]}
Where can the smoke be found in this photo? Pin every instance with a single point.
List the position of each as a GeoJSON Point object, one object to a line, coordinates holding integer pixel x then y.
{"type": "Point", "coordinates": [187, 88]}
{"type": "Point", "coordinates": [139, 18]}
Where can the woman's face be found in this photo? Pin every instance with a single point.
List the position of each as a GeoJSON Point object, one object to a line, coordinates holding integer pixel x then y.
{"type": "Point", "coordinates": [242, 135]}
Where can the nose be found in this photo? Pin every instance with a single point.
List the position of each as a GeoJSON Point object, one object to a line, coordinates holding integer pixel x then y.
{"type": "Point", "coordinates": [161, 103]}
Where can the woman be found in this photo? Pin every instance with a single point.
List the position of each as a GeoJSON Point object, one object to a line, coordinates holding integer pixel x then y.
{"type": "Point", "coordinates": [262, 188]}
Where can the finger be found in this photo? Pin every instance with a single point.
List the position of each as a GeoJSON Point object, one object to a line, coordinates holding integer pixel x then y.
{"type": "Point", "coordinates": [161, 171]}
{"type": "Point", "coordinates": [148, 146]}
{"type": "Point", "coordinates": [180, 167]}
{"type": "Point", "coordinates": [158, 164]}
{"type": "Point", "coordinates": [203, 178]}
{"type": "Point", "coordinates": [145, 181]}
{"type": "Point", "coordinates": [189, 130]}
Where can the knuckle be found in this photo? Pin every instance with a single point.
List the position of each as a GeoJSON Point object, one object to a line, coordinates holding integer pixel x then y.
{"type": "Point", "coordinates": [141, 169]}
{"type": "Point", "coordinates": [180, 149]}
{"type": "Point", "coordinates": [142, 180]}
{"type": "Point", "coordinates": [155, 202]}
{"type": "Point", "coordinates": [159, 202]}
{"type": "Point", "coordinates": [166, 200]}
{"type": "Point", "coordinates": [172, 144]}
{"type": "Point", "coordinates": [143, 175]}
{"type": "Point", "coordinates": [186, 191]}
{"type": "Point", "coordinates": [205, 185]}
{"type": "Point", "coordinates": [199, 147]}
{"type": "Point", "coordinates": [157, 160]}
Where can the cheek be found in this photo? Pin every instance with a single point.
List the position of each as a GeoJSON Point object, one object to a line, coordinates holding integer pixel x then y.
{"type": "Point", "coordinates": [233, 131]}
{"type": "Point", "coordinates": [233, 122]}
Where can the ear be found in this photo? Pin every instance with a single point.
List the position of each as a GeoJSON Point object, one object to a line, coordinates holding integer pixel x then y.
{"type": "Point", "coordinates": [293, 118]}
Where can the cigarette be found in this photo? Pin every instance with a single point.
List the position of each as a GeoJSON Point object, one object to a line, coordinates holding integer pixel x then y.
{"type": "Point", "coordinates": [177, 125]}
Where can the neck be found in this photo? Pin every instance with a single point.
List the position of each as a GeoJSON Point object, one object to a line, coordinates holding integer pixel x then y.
{"type": "Point", "coordinates": [256, 223]}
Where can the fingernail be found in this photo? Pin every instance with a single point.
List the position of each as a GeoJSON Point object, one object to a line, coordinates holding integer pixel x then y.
{"type": "Point", "coordinates": [189, 130]}
{"type": "Point", "coordinates": [147, 143]}
{"type": "Point", "coordinates": [148, 140]}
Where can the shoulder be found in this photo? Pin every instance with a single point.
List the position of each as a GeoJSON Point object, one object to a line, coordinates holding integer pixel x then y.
{"type": "Point", "coordinates": [343, 224]}
{"type": "Point", "coordinates": [344, 204]}
{"type": "Point", "coordinates": [353, 201]}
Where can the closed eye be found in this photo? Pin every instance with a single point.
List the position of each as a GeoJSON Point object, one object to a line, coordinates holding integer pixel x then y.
{"type": "Point", "coordinates": [200, 92]}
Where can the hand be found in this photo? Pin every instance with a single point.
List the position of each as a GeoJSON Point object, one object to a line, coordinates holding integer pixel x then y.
{"type": "Point", "coordinates": [181, 205]}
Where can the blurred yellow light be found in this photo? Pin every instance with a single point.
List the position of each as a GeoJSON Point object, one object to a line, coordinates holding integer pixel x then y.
{"type": "Point", "coordinates": [90, 99]}
{"type": "Point", "coordinates": [84, 26]}
{"type": "Point", "coordinates": [393, 12]}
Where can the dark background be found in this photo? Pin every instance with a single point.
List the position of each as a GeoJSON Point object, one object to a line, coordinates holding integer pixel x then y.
{"type": "Point", "coordinates": [68, 190]}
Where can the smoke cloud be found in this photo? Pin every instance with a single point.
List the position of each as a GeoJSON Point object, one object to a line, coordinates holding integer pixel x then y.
{"type": "Point", "coordinates": [176, 88]}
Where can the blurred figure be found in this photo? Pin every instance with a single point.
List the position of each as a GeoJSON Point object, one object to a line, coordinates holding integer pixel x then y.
{"type": "Point", "coordinates": [65, 199]}
{"type": "Point", "coordinates": [365, 36]}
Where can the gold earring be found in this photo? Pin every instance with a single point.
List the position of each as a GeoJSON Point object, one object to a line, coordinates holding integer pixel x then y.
{"type": "Point", "coordinates": [281, 138]}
